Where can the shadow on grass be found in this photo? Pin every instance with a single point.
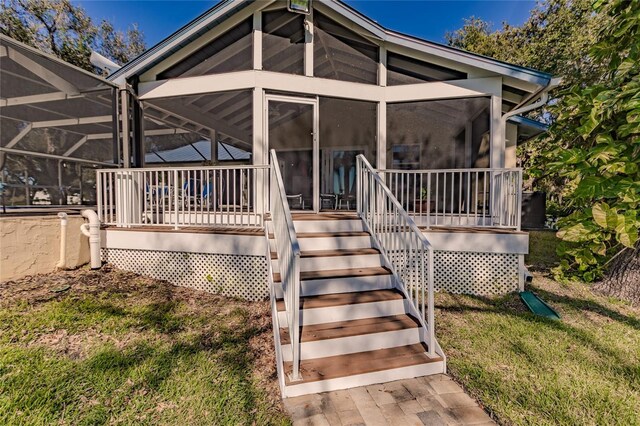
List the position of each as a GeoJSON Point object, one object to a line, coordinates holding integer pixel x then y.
{"type": "Point", "coordinates": [511, 305]}
{"type": "Point", "coordinates": [147, 365]}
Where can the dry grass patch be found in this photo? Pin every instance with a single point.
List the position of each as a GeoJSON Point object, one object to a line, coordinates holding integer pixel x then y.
{"type": "Point", "coordinates": [112, 347]}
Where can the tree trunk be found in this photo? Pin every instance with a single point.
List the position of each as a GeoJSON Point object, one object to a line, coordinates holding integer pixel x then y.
{"type": "Point", "coordinates": [623, 276]}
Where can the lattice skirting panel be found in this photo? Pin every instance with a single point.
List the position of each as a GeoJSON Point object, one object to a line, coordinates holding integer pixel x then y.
{"type": "Point", "coordinates": [476, 273]}
{"type": "Point", "coordinates": [231, 275]}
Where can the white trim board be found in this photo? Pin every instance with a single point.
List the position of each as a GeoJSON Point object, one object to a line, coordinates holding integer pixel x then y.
{"type": "Point", "coordinates": [250, 245]}
{"type": "Point", "coordinates": [515, 243]}
{"type": "Point", "coordinates": [268, 80]}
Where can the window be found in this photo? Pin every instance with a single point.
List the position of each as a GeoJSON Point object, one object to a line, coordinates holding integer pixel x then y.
{"type": "Point", "coordinates": [439, 134]}
{"type": "Point", "coordinates": [232, 51]}
{"type": "Point", "coordinates": [341, 54]}
{"type": "Point", "coordinates": [405, 70]}
{"type": "Point", "coordinates": [283, 42]}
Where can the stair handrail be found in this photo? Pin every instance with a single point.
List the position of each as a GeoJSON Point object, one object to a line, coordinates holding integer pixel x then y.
{"type": "Point", "coordinates": [288, 251]}
{"type": "Point", "coordinates": [404, 247]}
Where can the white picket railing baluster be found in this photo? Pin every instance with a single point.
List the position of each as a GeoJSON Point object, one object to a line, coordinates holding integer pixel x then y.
{"type": "Point", "coordinates": [402, 244]}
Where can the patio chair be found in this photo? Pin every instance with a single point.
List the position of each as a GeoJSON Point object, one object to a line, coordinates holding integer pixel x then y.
{"type": "Point", "coordinates": [296, 201]}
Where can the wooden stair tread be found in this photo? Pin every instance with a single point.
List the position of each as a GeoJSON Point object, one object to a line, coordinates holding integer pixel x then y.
{"type": "Point", "coordinates": [313, 370]}
{"type": "Point", "coordinates": [339, 273]}
{"type": "Point", "coordinates": [350, 328]}
{"type": "Point", "coordinates": [332, 253]}
{"type": "Point", "coordinates": [342, 299]}
{"type": "Point", "coordinates": [320, 216]}
{"type": "Point", "coordinates": [328, 234]}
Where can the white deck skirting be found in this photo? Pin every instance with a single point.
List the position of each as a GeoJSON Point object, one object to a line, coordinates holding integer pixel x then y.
{"type": "Point", "coordinates": [481, 263]}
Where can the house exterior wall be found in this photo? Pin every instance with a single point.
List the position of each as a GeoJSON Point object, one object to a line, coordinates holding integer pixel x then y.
{"type": "Point", "coordinates": [31, 245]}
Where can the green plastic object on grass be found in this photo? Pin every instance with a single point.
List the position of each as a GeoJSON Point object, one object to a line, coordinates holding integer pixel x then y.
{"type": "Point", "coordinates": [538, 306]}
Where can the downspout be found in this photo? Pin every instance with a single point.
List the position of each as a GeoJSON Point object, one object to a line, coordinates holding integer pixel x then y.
{"type": "Point", "coordinates": [62, 262]}
{"type": "Point", "coordinates": [92, 230]}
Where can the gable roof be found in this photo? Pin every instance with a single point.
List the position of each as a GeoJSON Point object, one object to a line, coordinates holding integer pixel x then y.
{"type": "Point", "coordinates": [226, 8]}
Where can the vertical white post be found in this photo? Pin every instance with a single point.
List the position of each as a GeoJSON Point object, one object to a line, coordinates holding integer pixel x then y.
{"type": "Point", "coordinates": [430, 309]}
{"type": "Point", "coordinates": [213, 136]}
{"type": "Point", "coordinates": [382, 67]}
{"type": "Point", "coordinates": [381, 161]}
{"type": "Point", "coordinates": [497, 134]}
{"type": "Point", "coordinates": [308, 45]}
{"type": "Point", "coordinates": [259, 149]}
{"type": "Point", "coordinates": [124, 117]}
{"type": "Point", "coordinates": [257, 40]}
{"type": "Point", "coordinates": [175, 198]}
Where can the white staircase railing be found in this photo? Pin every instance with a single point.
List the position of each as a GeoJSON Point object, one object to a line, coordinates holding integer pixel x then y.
{"type": "Point", "coordinates": [400, 241]}
{"type": "Point", "coordinates": [288, 251]}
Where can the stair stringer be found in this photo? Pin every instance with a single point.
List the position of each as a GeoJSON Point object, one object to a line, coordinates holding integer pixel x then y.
{"type": "Point", "coordinates": [274, 320]}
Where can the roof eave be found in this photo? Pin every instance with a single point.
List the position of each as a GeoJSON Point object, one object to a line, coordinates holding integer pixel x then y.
{"type": "Point", "coordinates": [226, 7]}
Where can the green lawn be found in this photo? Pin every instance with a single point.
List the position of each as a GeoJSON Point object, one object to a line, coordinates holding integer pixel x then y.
{"type": "Point", "coordinates": [527, 370]}
{"type": "Point", "coordinates": [120, 349]}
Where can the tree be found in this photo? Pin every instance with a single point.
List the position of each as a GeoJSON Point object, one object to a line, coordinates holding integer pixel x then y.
{"type": "Point", "coordinates": [64, 30]}
{"type": "Point", "coordinates": [556, 39]}
{"type": "Point", "coordinates": [596, 148]}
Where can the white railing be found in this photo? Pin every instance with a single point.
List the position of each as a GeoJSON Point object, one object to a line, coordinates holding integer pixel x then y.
{"type": "Point", "coordinates": [402, 244]}
{"type": "Point", "coordinates": [459, 197]}
{"type": "Point", "coordinates": [288, 251]}
{"type": "Point", "coordinates": [179, 197]}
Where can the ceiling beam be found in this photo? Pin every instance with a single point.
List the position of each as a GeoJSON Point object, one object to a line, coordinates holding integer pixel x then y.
{"type": "Point", "coordinates": [75, 146]}
{"type": "Point", "coordinates": [17, 138]}
{"type": "Point", "coordinates": [207, 121]}
{"type": "Point", "coordinates": [53, 156]}
{"type": "Point", "coordinates": [34, 99]}
{"type": "Point", "coordinates": [72, 121]}
{"type": "Point", "coordinates": [45, 74]}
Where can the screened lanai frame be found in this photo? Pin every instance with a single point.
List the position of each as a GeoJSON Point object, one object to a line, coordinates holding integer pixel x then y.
{"type": "Point", "coordinates": [58, 125]}
{"type": "Point", "coordinates": [479, 82]}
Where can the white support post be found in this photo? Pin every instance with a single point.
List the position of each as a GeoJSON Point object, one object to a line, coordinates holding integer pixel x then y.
{"type": "Point", "coordinates": [382, 67]}
{"type": "Point", "coordinates": [308, 45]}
{"type": "Point", "coordinates": [260, 151]}
{"type": "Point", "coordinates": [257, 40]}
{"type": "Point", "coordinates": [213, 135]}
{"type": "Point", "coordinates": [124, 117]}
{"type": "Point", "coordinates": [381, 161]}
{"type": "Point", "coordinates": [497, 133]}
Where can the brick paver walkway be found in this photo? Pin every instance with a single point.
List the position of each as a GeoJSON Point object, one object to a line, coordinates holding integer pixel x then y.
{"type": "Point", "coordinates": [432, 400]}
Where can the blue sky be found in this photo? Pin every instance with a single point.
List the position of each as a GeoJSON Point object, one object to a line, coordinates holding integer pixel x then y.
{"type": "Point", "coordinates": [429, 19]}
